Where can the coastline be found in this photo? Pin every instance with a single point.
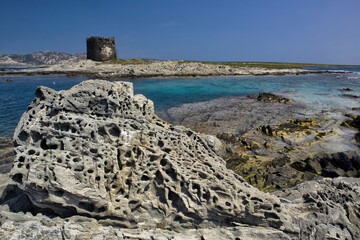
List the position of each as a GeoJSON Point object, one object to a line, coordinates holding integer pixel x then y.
{"type": "Point", "coordinates": [173, 156]}
{"type": "Point", "coordinates": [166, 69]}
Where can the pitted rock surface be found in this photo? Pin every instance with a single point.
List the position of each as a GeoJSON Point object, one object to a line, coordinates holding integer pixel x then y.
{"type": "Point", "coordinates": [327, 208]}
{"type": "Point", "coordinates": [97, 150]}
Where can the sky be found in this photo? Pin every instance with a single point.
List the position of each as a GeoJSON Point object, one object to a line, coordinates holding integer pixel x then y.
{"type": "Point", "coordinates": [303, 31]}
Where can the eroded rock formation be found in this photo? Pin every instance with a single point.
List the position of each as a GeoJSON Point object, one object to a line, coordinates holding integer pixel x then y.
{"type": "Point", "coordinates": [98, 150]}
{"type": "Point", "coordinates": [332, 204]}
{"type": "Point", "coordinates": [99, 156]}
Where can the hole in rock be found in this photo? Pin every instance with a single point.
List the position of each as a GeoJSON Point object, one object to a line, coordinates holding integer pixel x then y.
{"type": "Point", "coordinates": [59, 193]}
{"type": "Point", "coordinates": [171, 173]}
{"type": "Point", "coordinates": [145, 178]}
{"type": "Point", "coordinates": [153, 158]}
{"type": "Point", "coordinates": [276, 205]}
{"type": "Point", "coordinates": [163, 162]}
{"type": "Point", "coordinates": [130, 163]}
{"type": "Point", "coordinates": [159, 178]}
{"type": "Point", "coordinates": [128, 182]}
{"type": "Point", "coordinates": [167, 150]}
{"type": "Point", "coordinates": [256, 199]}
{"type": "Point", "coordinates": [114, 131]}
{"type": "Point", "coordinates": [100, 210]}
{"type": "Point", "coordinates": [128, 154]}
{"type": "Point", "coordinates": [271, 215]}
{"type": "Point", "coordinates": [79, 168]}
{"type": "Point", "coordinates": [46, 146]}
{"type": "Point", "coordinates": [18, 177]}
{"type": "Point", "coordinates": [101, 131]}
{"type": "Point", "coordinates": [31, 152]}
{"type": "Point", "coordinates": [21, 159]}
{"type": "Point", "coordinates": [87, 206]}
{"type": "Point", "coordinates": [160, 144]}
{"type": "Point", "coordinates": [202, 175]}
{"type": "Point", "coordinates": [23, 136]}
{"type": "Point", "coordinates": [206, 196]}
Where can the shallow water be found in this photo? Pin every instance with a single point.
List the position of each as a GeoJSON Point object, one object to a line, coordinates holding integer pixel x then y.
{"type": "Point", "coordinates": [320, 91]}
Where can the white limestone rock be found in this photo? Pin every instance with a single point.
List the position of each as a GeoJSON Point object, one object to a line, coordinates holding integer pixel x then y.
{"type": "Point", "coordinates": [97, 150]}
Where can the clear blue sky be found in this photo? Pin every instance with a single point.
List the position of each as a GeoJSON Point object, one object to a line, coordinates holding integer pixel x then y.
{"type": "Point", "coordinates": [318, 31]}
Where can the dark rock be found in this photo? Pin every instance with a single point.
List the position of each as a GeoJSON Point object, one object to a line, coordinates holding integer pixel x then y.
{"type": "Point", "coordinates": [350, 96]}
{"type": "Point", "coordinates": [101, 49]}
{"type": "Point", "coordinates": [354, 121]}
{"type": "Point", "coordinates": [7, 154]}
{"type": "Point", "coordinates": [346, 164]}
{"type": "Point", "coordinates": [270, 97]}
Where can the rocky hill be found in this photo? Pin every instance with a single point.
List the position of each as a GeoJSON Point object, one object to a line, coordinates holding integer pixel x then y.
{"type": "Point", "coordinates": [40, 58]}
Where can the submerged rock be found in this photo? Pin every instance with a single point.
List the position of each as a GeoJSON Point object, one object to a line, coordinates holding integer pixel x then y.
{"type": "Point", "coordinates": [350, 96]}
{"type": "Point", "coordinates": [97, 150]}
{"type": "Point", "coordinates": [353, 121]}
{"type": "Point", "coordinates": [270, 97]}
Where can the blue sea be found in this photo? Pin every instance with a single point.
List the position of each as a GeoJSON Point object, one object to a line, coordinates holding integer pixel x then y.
{"type": "Point", "coordinates": [319, 91]}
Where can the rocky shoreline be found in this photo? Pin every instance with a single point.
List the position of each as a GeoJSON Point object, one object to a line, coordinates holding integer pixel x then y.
{"type": "Point", "coordinates": [276, 143]}
{"type": "Point", "coordinates": [93, 69]}
{"type": "Point", "coordinates": [95, 162]}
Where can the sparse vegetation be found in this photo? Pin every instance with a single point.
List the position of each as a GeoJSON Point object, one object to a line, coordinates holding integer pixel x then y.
{"type": "Point", "coordinates": [275, 65]}
{"type": "Point", "coordinates": [266, 65]}
{"type": "Point", "coordinates": [129, 61]}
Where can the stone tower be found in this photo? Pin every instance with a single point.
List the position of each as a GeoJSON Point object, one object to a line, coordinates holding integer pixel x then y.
{"type": "Point", "coordinates": [101, 48]}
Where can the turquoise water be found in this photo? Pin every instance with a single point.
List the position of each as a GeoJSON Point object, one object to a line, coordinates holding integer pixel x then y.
{"type": "Point", "coordinates": [320, 91]}
{"type": "Point", "coordinates": [334, 69]}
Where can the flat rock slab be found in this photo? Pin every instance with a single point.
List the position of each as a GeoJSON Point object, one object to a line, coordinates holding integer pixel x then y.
{"type": "Point", "coordinates": [233, 115]}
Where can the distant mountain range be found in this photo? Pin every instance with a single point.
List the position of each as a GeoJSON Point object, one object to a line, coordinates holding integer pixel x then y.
{"type": "Point", "coordinates": [40, 58]}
